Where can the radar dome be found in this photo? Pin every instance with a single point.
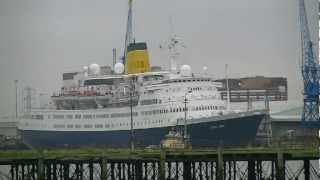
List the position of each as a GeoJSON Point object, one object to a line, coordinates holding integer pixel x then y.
{"type": "Point", "coordinates": [185, 70]}
{"type": "Point", "coordinates": [94, 69]}
{"type": "Point", "coordinates": [118, 68]}
{"type": "Point", "coordinates": [204, 68]}
{"type": "Point", "coordinates": [85, 71]}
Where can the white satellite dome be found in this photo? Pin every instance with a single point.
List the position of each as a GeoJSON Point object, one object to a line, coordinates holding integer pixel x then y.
{"type": "Point", "coordinates": [94, 69]}
{"type": "Point", "coordinates": [85, 71]}
{"type": "Point", "coordinates": [204, 68]}
{"type": "Point", "coordinates": [185, 70]}
{"type": "Point", "coordinates": [118, 68]}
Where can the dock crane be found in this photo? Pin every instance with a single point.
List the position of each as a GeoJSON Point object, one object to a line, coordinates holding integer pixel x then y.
{"type": "Point", "coordinates": [310, 74]}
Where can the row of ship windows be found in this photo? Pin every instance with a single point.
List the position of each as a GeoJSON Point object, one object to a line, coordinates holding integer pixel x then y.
{"type": "Point", "coordinates": [182, 109]}
{"type": "Point", "coordinates": [178, 89]}
{"type": "Point", "coordinates": [190, 80]}
{"type": "Point", "coordinates": [150, 101]}
{"type": "Point", "coordinates": [85, 116]}
{"type": "Point", "coordinates": [117, 115]}
{"type": "Point", "coordinates": [108, 125]}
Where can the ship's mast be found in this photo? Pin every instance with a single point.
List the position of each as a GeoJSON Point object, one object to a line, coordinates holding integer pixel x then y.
{"type": "Point", "coordinates": [174, 46]}
{"type": "Point", "coordinates": [129, 32]}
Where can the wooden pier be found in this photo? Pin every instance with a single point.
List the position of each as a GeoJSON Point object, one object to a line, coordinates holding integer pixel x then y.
{"type": "Point", "coordinates": [105, 164]}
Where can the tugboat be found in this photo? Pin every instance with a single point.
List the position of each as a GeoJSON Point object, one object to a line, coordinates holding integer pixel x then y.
{"type": "Point", "coordinates": [175, 140]}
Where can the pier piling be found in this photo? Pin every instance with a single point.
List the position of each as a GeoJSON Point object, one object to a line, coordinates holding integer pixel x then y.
{"type": "Point", "coordinates": [221, 164]}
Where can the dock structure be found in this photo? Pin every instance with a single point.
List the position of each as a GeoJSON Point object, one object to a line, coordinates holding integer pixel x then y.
{"type": "Point", "coordinates": [213, 164]}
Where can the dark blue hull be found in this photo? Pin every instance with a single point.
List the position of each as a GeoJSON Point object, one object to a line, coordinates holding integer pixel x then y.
{"type": "Point", "coordinates": [229, 132]}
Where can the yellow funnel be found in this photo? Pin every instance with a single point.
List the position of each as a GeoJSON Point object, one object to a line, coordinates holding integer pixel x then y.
{"type": "Point", "coordinates": [137, 58]}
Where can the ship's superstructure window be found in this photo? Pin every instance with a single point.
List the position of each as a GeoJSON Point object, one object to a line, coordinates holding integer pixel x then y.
{"type": "Point", "coordinates": [37, 116]}
{"type": "Point", "coordinates": [78, 116]}
{"type": "Point", "coordinates": [70, 126]}
{"type": "Point", "coordinates": [69, 116]}
{"type": "Point", "coordinates": [195, 88]}
{"type": "Point", "coordinates": [149, 101]}
{"type": "Point", "coordinates": [187, 80]}
{"type": "Point", "coordinates": [92, 82]}
{"type": "Point", "coordinates": [153, 112]}
{"type": "Point", "coordinates": [102, 116]}
{"type": "Point", "coordinates": [88, 126]}
{"type": "Point", "coordinates": [98, 126]}
{"type": "Point", "coordinates": [87, 116]}
{"type": "Point", "coordinates": [115, 115]}
{"type": "Point", "coordinates": [209, 107]}
{"type": "Point", "coordinates": [58, 116]}
{"type": "Point", "coordinates": [58, 126]}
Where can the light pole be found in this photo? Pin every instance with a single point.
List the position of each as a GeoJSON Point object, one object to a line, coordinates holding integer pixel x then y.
{"type": "Point", "coordinates": [16, 87]}
{"type": "Point", "coordinates": [228, 90]}
{"type": "Point", "coordinates": [185, 117]}
{"type": "Point", "coordinates": [131, 116]}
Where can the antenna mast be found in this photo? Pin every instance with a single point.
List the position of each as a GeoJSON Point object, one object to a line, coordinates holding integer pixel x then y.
{"type": "Point", "coordinates": [114, 56]}
{"type": "Point", "coordinates": [129, 33]}
{"type": "Point", "coordinates": [174, 46]}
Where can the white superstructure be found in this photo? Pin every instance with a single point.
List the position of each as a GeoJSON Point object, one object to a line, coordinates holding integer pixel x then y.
{"type": "Point", "coordinates": [102, 102]}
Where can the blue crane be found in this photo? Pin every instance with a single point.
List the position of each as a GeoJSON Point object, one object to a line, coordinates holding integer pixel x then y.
{"type": "Point", "coordinates": [310, 74]}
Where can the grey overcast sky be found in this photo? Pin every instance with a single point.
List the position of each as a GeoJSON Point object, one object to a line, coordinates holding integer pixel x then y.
{"type": "Point", "coordinates": [40, 39]}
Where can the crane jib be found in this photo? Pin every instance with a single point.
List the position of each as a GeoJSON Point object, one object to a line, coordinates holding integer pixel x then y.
{"type": "Point", "coordinates": [310, 72]}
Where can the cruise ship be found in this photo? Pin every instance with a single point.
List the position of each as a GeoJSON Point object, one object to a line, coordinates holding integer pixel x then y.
{"type": "Point", "coordinates": [134, 103]}
{"type": "Point", "coordinates": [97, 110]}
